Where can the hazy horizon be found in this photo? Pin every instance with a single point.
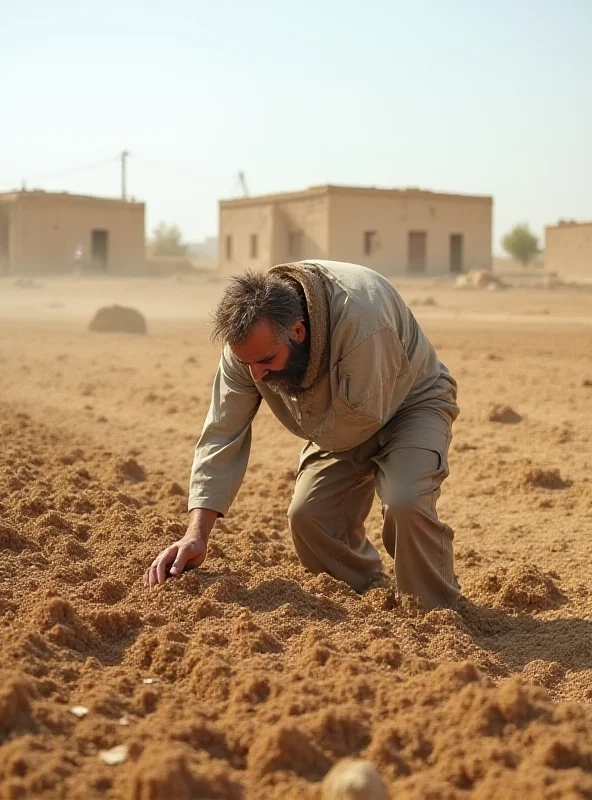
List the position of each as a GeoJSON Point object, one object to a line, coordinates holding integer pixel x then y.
{"type": "Point", "coordinates": [459, 97]}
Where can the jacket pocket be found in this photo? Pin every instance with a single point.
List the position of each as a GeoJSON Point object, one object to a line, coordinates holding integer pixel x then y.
{"type": "Point", "coordinates": [354, 421]}
{"type": "Point", "coordinates": [350, 399]}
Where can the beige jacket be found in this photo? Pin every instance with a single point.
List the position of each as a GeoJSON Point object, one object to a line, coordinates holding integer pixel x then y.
{"type": "Point", "coordinates": [380, 363]}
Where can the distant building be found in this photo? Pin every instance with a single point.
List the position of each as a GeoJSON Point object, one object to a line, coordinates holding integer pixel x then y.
{"type": "Point", "coordinates": [394, 231]}
{"type": "Point", "coordinates": [45, 232]}
{"type": "Point", "coordinates": [568, 249]}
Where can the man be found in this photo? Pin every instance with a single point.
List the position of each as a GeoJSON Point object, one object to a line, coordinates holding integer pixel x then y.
{"type": "Point", "coordinates": [341, 361]}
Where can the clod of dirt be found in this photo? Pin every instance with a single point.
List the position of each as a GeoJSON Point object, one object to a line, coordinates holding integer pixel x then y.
{"type": "Point", "coordinates": [175, 773]}
{"type": "Point", "coordinates": [565, 753]}
{"type": "Point", "coordinates": [503, 414]}
{"type": "Point", "coordinates": [16, 693]}
{"type": "Point", "coordinates": [119, 319]}
{"type": "Point", "coordinates": [586, 382]}
{"type": "Point", "coordinates": [545, 673]}
{"type": "Point", "coordinates": [545, 479]}
{"type": "Point", "coordinates": [10, 539]}
{"type": "Point", "coordinates": [523, 587]}
{"type": "Point", "coordinates": [353, 779]}
{"type": "Point", "coordinates": [59, 621]}
{"type": "Point", "coordinates": [128, 469]}
{"type": "Point", "coordinates": [285, 747]}
{"type": "Point", "coordinates": [387, 652]}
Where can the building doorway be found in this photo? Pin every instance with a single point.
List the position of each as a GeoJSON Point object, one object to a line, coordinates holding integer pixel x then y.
{"type": "Point", "coordinates": [100, 249]}
{"type": "Point", "coordinates": [456, 252]}
{"type": "Point", "coordinates": [417, 252]}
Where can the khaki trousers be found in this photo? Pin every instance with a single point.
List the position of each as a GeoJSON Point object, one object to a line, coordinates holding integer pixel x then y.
{"type": "Point", "coordinates": [334, 493]}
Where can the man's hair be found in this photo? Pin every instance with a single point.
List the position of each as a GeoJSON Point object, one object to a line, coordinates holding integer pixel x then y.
{"type": "Point", "coordinates": [252, 297]}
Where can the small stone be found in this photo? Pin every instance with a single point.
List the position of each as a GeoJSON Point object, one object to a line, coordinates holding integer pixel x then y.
{"type": "Point", "coordinates": [79, 711]}
{"type": "Point", "coordinates": [353, 779]}
{"type": "Point", "coordinates": [149, 680]}
{"type": "Point", "coordinates": [124, 721]}
{"type": "Point", "coordinates": [116, 755]}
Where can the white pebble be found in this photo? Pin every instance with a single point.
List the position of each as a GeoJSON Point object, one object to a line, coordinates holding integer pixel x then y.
{"type": "Point", "coordinates": [353, 779]}
{"type": "Point", "coordinates": [79, 711]}
{"type": "Point", "coordinates": [124, 721]}
{"type": "Point", "coordinates": [149, 680]}
{"type": "Point", "coordinates": [116, 755]}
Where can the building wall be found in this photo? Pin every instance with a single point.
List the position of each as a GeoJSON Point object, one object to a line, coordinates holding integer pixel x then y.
{"type": "Point", "coordinates": [332, 222]}
{"type": "Point", "coordinates": [5, 225]}
{"type": "Point", "coordinates": [304, 226]}
{"type": "Point", "coordinates": [568, 250]}
{"type": "Point", "coordinates": [275, 224]}
{"type": "Point", "coordinates": [392, 216]}
{"type": "Point", "coordinates": [46, 230]}
{"type": "Point", "coordinates": [237, 225]}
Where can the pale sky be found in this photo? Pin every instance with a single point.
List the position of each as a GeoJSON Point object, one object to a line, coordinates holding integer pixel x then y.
{"type": "Point", "coordinates": [484, 96]}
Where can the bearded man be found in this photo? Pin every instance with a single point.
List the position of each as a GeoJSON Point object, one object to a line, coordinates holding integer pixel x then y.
{"type": "Point", "coordinates": [342, 363]}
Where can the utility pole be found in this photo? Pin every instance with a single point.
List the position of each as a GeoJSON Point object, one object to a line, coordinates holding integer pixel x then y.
{"type": "Point", "coordinates": [124, 155]}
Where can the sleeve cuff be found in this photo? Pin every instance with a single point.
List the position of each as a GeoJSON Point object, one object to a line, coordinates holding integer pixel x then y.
{"type": "Point", "coordinates": [209, 503]}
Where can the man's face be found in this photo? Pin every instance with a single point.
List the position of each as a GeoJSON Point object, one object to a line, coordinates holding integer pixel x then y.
{"type": "Point", "coordinates": [279, 364]}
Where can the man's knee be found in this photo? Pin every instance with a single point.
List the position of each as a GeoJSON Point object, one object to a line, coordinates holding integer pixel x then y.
{"type": "Point", "coordinates": [404, 501]}
{"type": "Point", "coordinates": [315, 550]}
{"type": "Point", "coordinates": [299, 516]}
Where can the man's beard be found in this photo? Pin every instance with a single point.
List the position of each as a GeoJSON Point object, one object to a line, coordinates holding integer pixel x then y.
{"type": "Point", "coordinates": [289, 379]}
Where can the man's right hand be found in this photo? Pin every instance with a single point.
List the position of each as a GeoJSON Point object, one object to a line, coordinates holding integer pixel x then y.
{"type": "Point", "coordinates": [188, 552]}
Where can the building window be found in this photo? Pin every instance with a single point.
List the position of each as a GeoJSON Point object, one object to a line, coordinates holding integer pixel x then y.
{"type": "Point", "coordinates": [370, 242]}
{"type": "Point", "coordinates": [254, 250]}
{"type": "Point", "coordinates": [229, 248]}
{"type": "Point", "coordinates": [295, 245]}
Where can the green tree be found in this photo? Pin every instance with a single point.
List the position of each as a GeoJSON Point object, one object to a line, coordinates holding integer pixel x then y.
{"type": "Point", "coordinates": [167, 240]}
{"type": "Point", "coordinates": [521, 244]}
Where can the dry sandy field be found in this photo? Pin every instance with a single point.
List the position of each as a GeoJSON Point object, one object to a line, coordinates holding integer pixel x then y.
{"type": "Point", "coordinates": [249, 677]}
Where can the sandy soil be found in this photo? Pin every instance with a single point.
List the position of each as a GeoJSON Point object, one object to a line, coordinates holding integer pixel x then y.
{"type": "Point", "coordinates": [249, 677]}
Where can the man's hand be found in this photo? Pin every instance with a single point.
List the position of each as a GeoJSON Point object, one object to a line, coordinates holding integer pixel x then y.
{"type": "Point", "coordinates": [188, 552]}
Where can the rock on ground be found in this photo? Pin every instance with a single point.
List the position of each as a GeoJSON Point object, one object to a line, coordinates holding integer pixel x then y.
{"type": "Point", "coordinates": [353, 779]}
{"type": "Point", "coordinates": [118, 319]}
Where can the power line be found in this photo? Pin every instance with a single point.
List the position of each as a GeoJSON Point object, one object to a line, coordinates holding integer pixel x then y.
{"type": "Point", "coordinates": [240, 183]}
{"type": "Point", "coordinates": [63, 173]}
{"type": "Point", "coordinates": [177, 169]}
